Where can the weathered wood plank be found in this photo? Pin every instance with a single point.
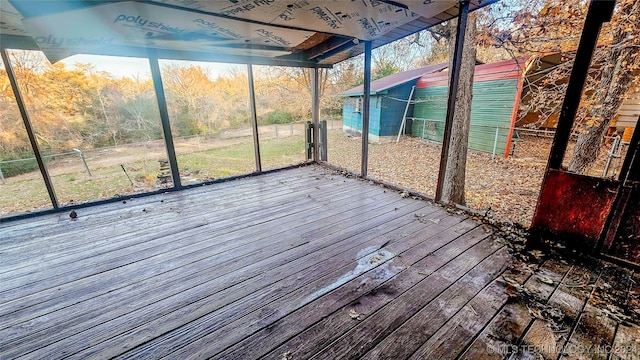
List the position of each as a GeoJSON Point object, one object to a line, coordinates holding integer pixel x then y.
{"type": "Point", "coordinates": [159, 220]}
{"type": "Point", "coordinates": [460, 330]}
{"type": "Point", "coordinates": [135, 265]}
{"type": "Point", "coordinates": [142, 218]}
{"type": "Point", "coordinates": [284, 287]}
{"type": "Point", "coordinates": [266, 318]}
{"type": "Point", "coordinates": [550, 328]}
{"type": "Point", "coordinates": [269, 180]}
{"type": "Point", "coordinates": [626, 344]}
{"type": "Point", "coordinates": [141, 221]}
{"type": "Point", "coordinates": [218, 251]}
{"type": "Point", "coordinates": [321, 329]}
{"type": "Point", "coordinates": [381, 324]}
{"type": "Point", "coordinates": [501, 337]}
{"type": "Point", "coordinates": [496, 341]}
{"type": "Point", "coordinates": [194, 303]}
{"type": "Point", "coordinates": [23, 229]}
{"type": "Point", "coordinates": [408, 337]}
{"type": "Point", "coordinates": [206, 256]}
{"type": "Point", "coordinates": [292, 280]}
{"type": "Point", "coordinates": [129, 248]}
{"type": "Point", "coordinates": [593, 337]}
{"type": "Point", "coordinates": [545, 282]}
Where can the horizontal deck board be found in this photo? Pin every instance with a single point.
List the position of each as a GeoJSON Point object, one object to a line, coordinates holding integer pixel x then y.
{"type": "Point", "coordinates": [245, 271]}
{"type": "Point", "coordinates": [309, 329]}
{"type": "Point", "coordinates": [113, 211]}
{"type": "Point", "coordinates": [253, 323]}
{"type": "Point", "coordinates": [408, 337]}
{"type": "Point", "coordinates": [225, 260]}
{"type": "Point", "coordinates": [381, 324]}
{"type": "Point", "coordinates": [75, 232]}
{"type": "Point", "coordinates": [299, 263]}
{"type": "Point", "coordinates": [86, 256]}
{"type": "Point", "coordinates": [233, 302]}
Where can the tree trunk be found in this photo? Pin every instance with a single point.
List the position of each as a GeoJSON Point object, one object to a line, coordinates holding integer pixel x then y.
{"type": "Point", "coordinates": [454, 180]}
{"type": "Point", "coordinates": [617, 76]}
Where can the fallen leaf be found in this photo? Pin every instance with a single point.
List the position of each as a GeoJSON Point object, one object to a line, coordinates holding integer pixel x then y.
{"type": "Point", "coordinates": [510, 281]}
{"type": "Point", "coordinates": [354, 314]}
{"type": "Point", "coordinates": [546, 280]}
{"type": "Point", "coordinates": [536, 254]}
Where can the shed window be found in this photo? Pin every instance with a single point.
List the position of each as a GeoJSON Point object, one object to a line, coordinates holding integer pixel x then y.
{"type": "Point", "coordinates": [358, 107]}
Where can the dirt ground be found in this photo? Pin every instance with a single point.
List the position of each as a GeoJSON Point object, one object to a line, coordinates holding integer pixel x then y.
{"type": "Point", "coordinates": [507, 187]}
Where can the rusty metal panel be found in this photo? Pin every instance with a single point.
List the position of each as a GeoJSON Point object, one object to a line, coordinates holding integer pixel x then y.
{"type": "Point", "coordinates": [574, 208]}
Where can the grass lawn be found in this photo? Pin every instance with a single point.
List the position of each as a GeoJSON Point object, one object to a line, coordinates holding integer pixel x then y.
{"type": "Point", "coordinates": [27, 191]}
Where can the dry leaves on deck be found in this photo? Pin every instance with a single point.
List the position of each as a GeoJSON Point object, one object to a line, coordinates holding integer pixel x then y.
{"type": "Point", "coordinates": [354, 314]}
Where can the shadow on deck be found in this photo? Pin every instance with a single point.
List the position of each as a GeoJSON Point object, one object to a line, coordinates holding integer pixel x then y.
{"type": "Point", "coordinates": [295, 264]}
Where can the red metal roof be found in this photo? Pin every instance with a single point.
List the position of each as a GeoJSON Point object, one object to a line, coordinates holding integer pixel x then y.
{"type": "Point", "coordinates": [507, 69]}
{"type": "Point", "coordinates": [394, 80]}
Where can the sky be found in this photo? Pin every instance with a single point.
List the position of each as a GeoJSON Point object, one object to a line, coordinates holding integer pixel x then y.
{"type": "Point", "coordinates": [137, 67]}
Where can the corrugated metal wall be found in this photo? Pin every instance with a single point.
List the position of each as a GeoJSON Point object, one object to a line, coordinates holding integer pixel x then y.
{"type": "Point", "coordinates": [491, 109]}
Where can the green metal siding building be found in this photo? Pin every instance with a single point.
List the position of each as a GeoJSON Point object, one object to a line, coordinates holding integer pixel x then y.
{"type": "Point", "coordinates": [389, 97]}
{"type": "Point", "coordinates": [496, 94]}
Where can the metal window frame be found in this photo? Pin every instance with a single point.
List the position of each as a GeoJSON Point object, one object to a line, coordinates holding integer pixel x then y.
{"type": "Point", "coordinates": [254, 118]}
{"type": "Point", "coordinates": [29, 128]}
{"type": "Point", "coordinates": [164, 118]}
{"type": "Point", "coordinates": [365, 109]}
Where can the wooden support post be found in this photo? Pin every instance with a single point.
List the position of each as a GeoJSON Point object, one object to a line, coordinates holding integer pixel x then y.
{"type": "Point", "coordinates": [365, 109]}
{"type": "Point", "coordinates": [315, 112]}
{"type": "Point", "coordinates": [27, 124]}
{"type": "Point", "coordinates": [254, 118]}
{"type": "Point", "coordinates": [454, 82]}
{"type": "Point", "coordinates": [323, 140]}
{"type": "Point", "coordinates": [164, 118]}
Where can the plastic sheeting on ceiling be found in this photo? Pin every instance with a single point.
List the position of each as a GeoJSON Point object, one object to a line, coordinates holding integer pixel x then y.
{"type": "Point", "coordinates": [310, 33]}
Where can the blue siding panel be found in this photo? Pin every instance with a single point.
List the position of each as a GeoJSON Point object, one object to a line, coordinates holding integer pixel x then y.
{"type": "Point", "coordinates": [393, 106]}
{"type": "Point", "coordinates": [352, 120]}
{"type": "Point", "coordinates": [385, 111]}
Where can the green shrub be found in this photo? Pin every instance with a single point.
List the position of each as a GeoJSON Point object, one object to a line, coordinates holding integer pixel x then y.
{"type": "Point", "coordinates": [276, 117]}
{"type": "Point", "coordinates": [17, 167]}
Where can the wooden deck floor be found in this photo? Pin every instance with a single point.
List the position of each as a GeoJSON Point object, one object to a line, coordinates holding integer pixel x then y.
{"type": "Point", "coordinates": [296, 264]}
